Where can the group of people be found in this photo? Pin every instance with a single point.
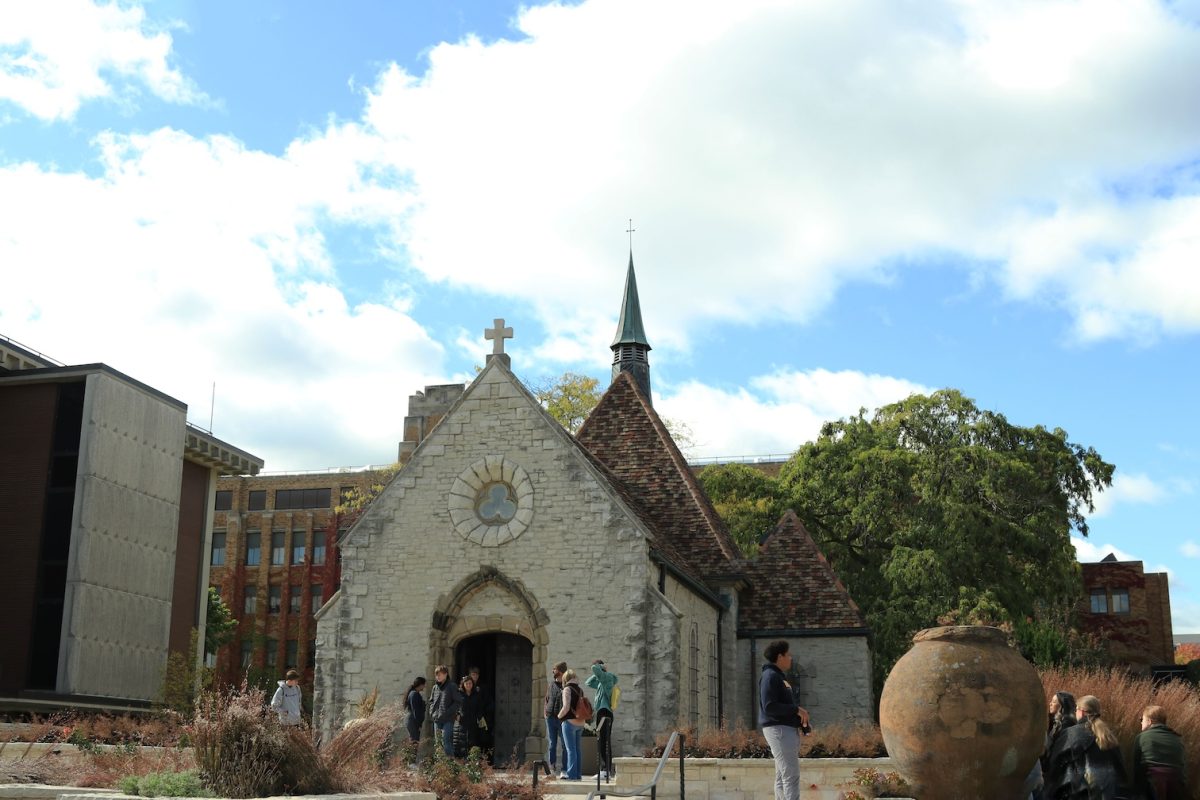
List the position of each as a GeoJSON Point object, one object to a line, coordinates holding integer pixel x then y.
{"type": "Point", "coordinates": [461, 714]}
{"type": "Point", "coordinates": [567, 715]}
{"type": "Point", "coordinates": [1083, 760]}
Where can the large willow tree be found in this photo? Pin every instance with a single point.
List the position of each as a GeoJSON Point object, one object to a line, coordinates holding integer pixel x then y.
{"type": "Point", "coordinates": [931, 507]}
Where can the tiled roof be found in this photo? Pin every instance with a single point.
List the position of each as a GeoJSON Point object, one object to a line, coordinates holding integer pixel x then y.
{"type": "Point", "coordinates": [625, 434]}
{"type": "Point", "coordinates": [793, 586]}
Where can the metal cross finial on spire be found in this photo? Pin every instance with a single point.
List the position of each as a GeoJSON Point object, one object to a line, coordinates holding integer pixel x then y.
{"type": "Point", "coordinates": [631, 231]}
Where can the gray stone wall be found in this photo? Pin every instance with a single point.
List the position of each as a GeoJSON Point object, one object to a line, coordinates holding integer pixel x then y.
{"type": "Point", "coordinates": [834, 676]}
{"type": "Point", "coordinates": [120, 574]}
{"type": "Point", "coordinates": [699, 616]}
{"type": "Point", "coordinates": [576, 579]}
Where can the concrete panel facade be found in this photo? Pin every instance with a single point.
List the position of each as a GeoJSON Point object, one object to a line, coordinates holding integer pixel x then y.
{"type": "Point", "coordinates": [120, 576]}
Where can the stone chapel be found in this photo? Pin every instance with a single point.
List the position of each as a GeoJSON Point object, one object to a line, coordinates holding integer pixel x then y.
{"type": "Point", "coordinates": [509, 544]}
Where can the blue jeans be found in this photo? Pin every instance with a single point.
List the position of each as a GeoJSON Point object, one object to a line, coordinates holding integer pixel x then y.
{"type": "Point", "coordinates": [572, 736]}
{"type": "Point", "coordinates": [553, 730]}
{"type": "Point", "coordinates": [445, 730]}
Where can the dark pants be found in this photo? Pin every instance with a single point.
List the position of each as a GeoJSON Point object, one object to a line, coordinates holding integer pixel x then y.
{"type": "Point", "coordinates": [1166, 782]}
{"type": "Point", "coordinates": [604, 724]}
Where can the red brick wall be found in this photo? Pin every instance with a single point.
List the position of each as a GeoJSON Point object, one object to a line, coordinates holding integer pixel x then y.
{"type": "Point", "coordinates": [234, 576]}
{"type": "Point", "coordinates": [1143, 637]}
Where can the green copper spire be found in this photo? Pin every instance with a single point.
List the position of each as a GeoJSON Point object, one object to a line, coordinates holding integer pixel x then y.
{"type": "Point", "coordinates": [630, 346]}
{"type": "Point", "coordinates": [629, 326]}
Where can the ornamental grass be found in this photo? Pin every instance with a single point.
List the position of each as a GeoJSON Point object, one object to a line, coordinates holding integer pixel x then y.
{"type": "Point", "coordinates": [1123, 696]}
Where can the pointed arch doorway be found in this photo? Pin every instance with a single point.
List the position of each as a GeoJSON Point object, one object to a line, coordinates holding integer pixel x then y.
{"type": "Point", "coordinates": [503, 660]}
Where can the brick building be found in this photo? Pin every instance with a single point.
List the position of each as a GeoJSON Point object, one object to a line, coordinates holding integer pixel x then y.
{"type": "Point", "coordinates": [274, 556]}
{"type": "Point", "coordinates": [1132, 609]}
{"type": "Point", "coordinates": [104, 496]}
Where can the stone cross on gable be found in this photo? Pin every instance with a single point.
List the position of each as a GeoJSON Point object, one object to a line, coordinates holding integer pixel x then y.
{"type": "Point", "coordinates": [498, 333]}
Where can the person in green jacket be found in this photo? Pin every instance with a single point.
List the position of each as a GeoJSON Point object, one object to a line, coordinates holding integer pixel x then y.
{"type": "Point", "coordinates": [1159, 765]}
{"type": "Point", "coordinates": [603, 682]}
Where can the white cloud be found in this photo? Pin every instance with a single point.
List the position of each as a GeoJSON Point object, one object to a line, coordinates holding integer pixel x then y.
{"type": "Point", "coordinates": [57, 55]}
{"type": "Point", "coordinates": [1127, 488]}
{"type": "Point", "coordinates": [1086, 550]}
{"type": "Point", "coordinates": [778, 412]}
{"type": "Point", "coordinates": [770, 152]}
{"type": "Point", "coordinates": [190, 261]}
{"type": "Point", "coordinates": [1190, 549]}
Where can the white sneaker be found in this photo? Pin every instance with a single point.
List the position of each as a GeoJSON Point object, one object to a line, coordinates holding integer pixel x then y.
{"type": "Point", "coordinates": [604, 776]}
{"type": "Point", "coordinates": [562, 776]}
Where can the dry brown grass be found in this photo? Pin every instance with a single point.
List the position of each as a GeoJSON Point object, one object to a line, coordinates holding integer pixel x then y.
{"type": "Point", "coordinates": [842, 740]}
{"type": "Point", "coordinates": [1122, 698]}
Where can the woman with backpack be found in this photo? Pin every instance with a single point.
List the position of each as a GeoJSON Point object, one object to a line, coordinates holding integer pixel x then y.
{"type": "Point", "coordinates": [605, 684]}
{"type": "Point", "coordinates": [415, 703]}
{"type": "Point", "coordinates": [575, 714]}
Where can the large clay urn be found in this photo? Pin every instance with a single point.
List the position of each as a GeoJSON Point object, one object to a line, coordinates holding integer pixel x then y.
{"type": "Point", "coordinates": [963, 715]}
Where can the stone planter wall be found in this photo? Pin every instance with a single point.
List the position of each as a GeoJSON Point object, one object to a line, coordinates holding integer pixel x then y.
{"type": "Point", "coordinates": [744, 778]}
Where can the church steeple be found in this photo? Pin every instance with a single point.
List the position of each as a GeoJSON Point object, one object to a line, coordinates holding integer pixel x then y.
{"type": "Point", "coordinates": [630, 346]}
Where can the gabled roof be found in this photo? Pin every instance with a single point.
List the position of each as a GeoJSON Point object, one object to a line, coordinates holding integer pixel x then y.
{"type": "Point", "coordinates": [794, 588]}
{"type": "Point", "coordinates": [625, 434]}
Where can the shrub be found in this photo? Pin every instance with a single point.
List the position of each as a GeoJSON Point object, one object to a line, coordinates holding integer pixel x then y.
{"type": "Point", "coordinates": [1122, 698]}
{"type": "Point", "coordinates": [165, 784]}
{"type": "Point", "coordinates": [242, 751]}
{"type": "Point", "coordinates": [870, 783]}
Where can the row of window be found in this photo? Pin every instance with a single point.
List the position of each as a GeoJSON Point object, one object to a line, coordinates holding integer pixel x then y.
{"type": "Point", "coordinates": [275, 599]}
{"type": "Point", "coordinates": [285, 499]}
{"type": "Point", "coordinates": [291, 653]}
{"type": "Point", "coordinates": [1110, 601]}
{"type": "Point", "coordinates": [279, 553]}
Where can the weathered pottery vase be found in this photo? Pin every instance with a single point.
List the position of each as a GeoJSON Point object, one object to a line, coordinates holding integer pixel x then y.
{"type": "Point", "coordinates": [963, 715]}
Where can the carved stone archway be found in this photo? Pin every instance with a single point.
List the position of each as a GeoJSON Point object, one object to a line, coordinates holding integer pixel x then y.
{"type": "Point", "coordinates": [488, 601]}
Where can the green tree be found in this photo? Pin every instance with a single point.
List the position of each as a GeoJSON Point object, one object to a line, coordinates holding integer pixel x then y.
{"type": "Point", "coordinates": [749, 500]}
{"type": "Point", "coordinates": [569, 398]}
{"type": "Point", "coordinates": [219, 625]}
{"type": "Point", "coordinates": [932, 507]}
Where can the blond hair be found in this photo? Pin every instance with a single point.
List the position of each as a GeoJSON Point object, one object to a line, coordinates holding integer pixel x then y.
{"type": "Point", "coordinates": [1105, 738]}
{"type": "Point", "coordinates": [568, 675]}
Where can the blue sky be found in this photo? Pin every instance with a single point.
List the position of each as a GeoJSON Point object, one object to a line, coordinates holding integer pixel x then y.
{"type": "Point", "coordinates": [319, 208]}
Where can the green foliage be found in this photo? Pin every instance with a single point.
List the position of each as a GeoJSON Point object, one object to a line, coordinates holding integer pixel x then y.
{"type": "Point", "coordinates": [165, 784]}
{"type": "Point", "coordinates": [749, 501]}
{"type": "Point", "coordinates": [932, 508]}
{"type": "Point", "coordinates": [355, 500]}
{"type": "Point", "coordinates": [569, 398]}
{"type": "Point", "coordinates": [182, 678]}
{"type": "Point", "coordinates": [219, 623]}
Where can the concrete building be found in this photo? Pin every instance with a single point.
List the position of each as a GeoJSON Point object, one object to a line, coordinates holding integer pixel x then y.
{"type": "Point", "coordinates": [104, 497]}
{"type": "Point", "coordinates": [1131, 608]}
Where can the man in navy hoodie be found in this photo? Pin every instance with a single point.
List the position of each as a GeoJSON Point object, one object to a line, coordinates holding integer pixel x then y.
{"type": "Point", "coordinates": [781, 720]}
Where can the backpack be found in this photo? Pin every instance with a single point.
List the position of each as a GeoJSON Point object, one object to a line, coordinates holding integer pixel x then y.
{"type": "Point", "coordinates": [614, 697]}
{"type": "Point", "coordinates": [583, 706]}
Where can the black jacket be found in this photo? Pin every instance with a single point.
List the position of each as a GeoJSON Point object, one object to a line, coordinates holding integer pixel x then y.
{"type": "Point", "coordinates": [776, 706]}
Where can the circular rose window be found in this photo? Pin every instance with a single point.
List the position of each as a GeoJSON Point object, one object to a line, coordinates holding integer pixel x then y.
{"type": "Point", "coordinates": [491, 502]}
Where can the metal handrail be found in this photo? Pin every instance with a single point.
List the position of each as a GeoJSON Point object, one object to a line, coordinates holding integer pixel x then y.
{"type": "Point", "coordinates": [651, 788]}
